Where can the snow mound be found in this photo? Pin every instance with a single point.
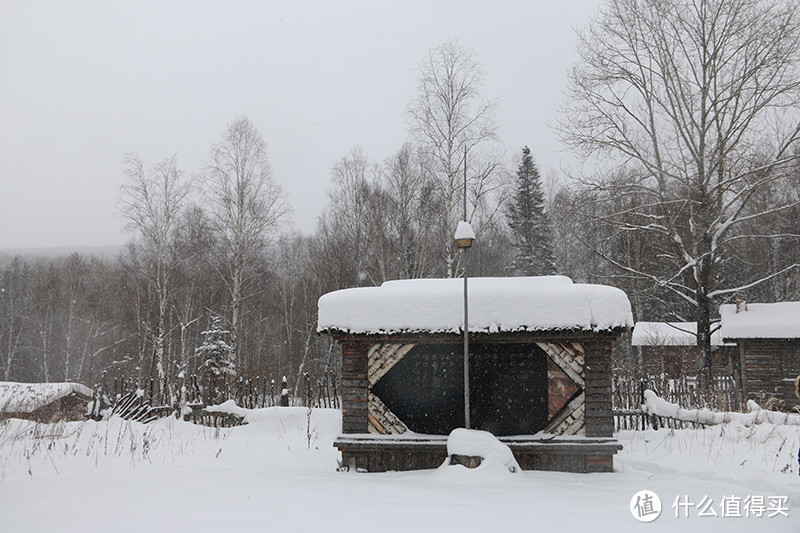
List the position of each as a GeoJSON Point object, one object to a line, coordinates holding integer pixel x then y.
{"type": "Point", "coordinates": [325, 422]}
{"type": "Point", "coordinates": [229, 407]}
{"type": "Point", "coordinates": [473, 442]}
{"type": "Point", "coordinates": [495, 305]}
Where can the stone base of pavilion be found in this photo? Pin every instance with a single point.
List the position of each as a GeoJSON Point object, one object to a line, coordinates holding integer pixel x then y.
{"type": "Point", "coordinates": [382, 453]}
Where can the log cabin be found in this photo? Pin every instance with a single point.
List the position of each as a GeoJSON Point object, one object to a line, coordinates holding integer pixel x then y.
{"type": "Point", "coordinates": [767, 336]}
{"type": "Point", "coordinates": [44, 402]}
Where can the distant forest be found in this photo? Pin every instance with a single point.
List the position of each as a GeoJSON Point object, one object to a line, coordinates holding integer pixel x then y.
{"type": "Point", "coordinates": [693, 199]}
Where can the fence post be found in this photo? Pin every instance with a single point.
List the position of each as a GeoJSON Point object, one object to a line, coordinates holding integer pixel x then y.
{"type": "Point", "coordinates": [284, 392]}
{"type": "Point", "coordinates": [263, 402]}
{"type": "Point", "coordinates": [335, 393]}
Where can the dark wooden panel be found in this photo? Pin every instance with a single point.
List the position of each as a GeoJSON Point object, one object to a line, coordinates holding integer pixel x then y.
{"type": "Point", "coordinates": [508, 388]}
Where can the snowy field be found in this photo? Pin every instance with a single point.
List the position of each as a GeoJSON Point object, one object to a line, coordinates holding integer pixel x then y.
{"type": "Point", "coordinates": [174, 476]}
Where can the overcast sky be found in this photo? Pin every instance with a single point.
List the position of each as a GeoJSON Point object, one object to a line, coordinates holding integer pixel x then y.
{"type": "Point", "coordinates": [84, 83]}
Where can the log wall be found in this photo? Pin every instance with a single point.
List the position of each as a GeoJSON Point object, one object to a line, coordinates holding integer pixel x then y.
{"type": "Point", "coordinates": [771, 366]}
{"type": "Point", "coordinates": [354, 388]}
{"type": "Point", "coordinates": [599, 419]}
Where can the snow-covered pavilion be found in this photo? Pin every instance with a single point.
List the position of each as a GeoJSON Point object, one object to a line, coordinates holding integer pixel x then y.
{"type": "Point", "coordinates": [540, 369]}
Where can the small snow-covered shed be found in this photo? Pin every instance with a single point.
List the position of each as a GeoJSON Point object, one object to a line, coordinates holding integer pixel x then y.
{"type": "Point", "coordinates": [670, 349]}
{"type": "Point", "coordinates": [768, 341]}
{"type": "Point", "coordinates": [539, 358]}
{"type": "Point", "coordinates": [44, 402]}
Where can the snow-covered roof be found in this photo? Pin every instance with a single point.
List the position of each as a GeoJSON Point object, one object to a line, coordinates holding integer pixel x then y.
{"type": "Point", "coordinates": [27, 397]}
{"type": "Point", "coordinates": [464, 231]}
{"type": "Point", "coordinates": [495, 305]}
{"type": "Point", "coordinates": [761, 321]}
{"type": "Point", "coordinates": [670, 334]}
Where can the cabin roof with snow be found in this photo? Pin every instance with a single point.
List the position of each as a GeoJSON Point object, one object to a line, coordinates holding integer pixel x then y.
{"type": "Point", "coordinates": [28, 397]}
{"type": "Point", "coordinates": [761, 321]}
{"type": "Point", "coordinates": [545, 303]}
{"type": "Point", "coordinates": [670, 334]}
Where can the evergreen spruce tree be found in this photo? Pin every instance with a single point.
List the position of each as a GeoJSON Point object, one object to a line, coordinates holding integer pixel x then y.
{"type": "Point", "coordinates": [216, 367]}
{"type": "Point", "coordinates": [531, 235]}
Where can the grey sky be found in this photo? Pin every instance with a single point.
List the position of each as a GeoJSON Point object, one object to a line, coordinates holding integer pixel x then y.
{"type": "Point", "coordinates": [83, 83]}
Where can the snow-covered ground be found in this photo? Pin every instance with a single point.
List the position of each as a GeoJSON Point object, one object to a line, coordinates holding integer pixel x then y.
{"type": "Point", "coordinates": [174, 476]}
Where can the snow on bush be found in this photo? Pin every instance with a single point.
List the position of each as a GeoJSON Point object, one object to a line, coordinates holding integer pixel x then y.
{"type": "Point", "coordinates": [473, 442]}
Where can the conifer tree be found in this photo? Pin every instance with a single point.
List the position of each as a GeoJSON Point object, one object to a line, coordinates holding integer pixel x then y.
{"type": "Point", "coordinates": [216, 366]}
{"type": "Point", "coordinates": [531, 235]}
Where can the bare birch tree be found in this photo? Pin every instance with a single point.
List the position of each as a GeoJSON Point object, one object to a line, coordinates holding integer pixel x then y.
{"type": "Point", "coordinates": [411, 213]}
{"type": "Point", "coordinates": [346, 227]}
{"type": "Point", "coordinates": [247, 207]}
{"type": "Point", "coordinates": [696, 101]}
{"type": "Point", "coordinates": [449, 118]}
{"type": "Point", "coordinates": [14, 297]}
{"type": "Point", "coordinates": [151, 203]}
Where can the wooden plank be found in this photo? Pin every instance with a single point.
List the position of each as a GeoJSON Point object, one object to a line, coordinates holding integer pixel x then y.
{"type": "Point", "coordinates": [354, 396]}
{"type": "Point", "coordinates": [599, 463]}
{"type": "Point", "coordinates": [567, 358]}
{"type": "Point", "coordinates": [382, 357]}
{"type": "Point", "coordinates": [382, 419]}
{"type": "Point", "coordinates": [592, 389]}
{"type": "Point", "coordinates": [354, 383]}
{"type": "Point", "coordinates": [566, 420]}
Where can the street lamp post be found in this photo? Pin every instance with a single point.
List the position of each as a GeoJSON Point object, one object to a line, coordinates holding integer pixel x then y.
{"type": "Point", "coordinates": [464, 238]}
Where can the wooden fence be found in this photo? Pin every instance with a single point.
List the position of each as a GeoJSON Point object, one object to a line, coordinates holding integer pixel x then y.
{"type": "Point", "coordinates": [721, 394]}
{"type": "Point", "coordinates": [148, 399]}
